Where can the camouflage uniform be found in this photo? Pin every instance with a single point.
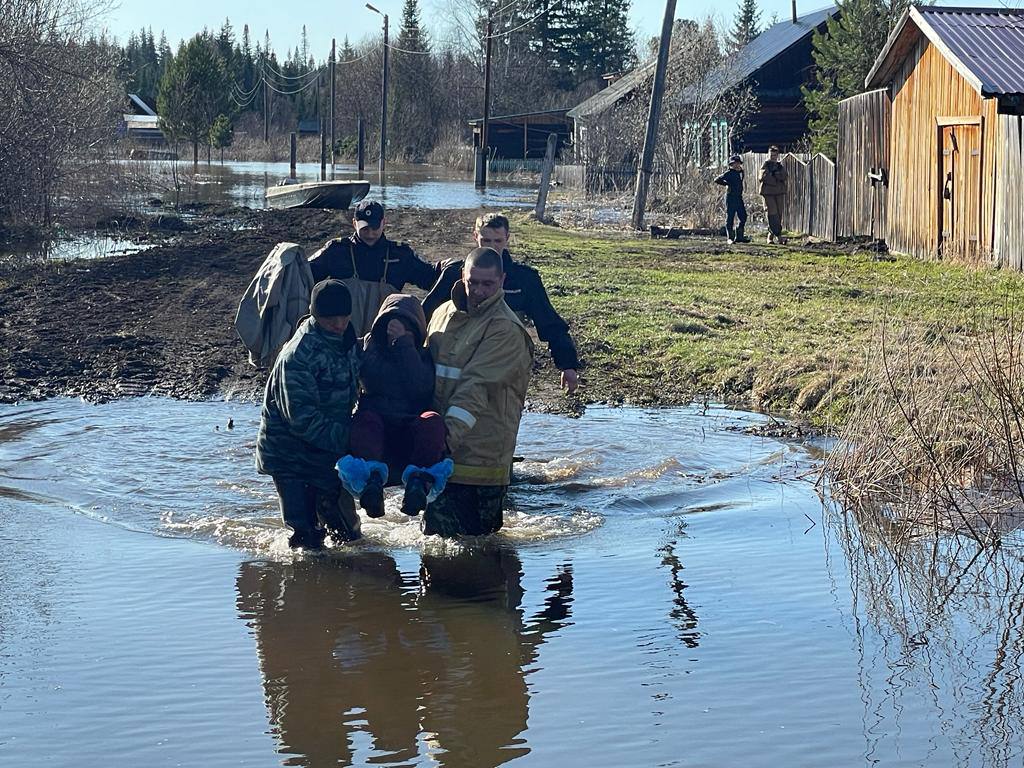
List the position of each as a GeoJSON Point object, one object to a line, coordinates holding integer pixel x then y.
{"type": "Point", "coordinates": [304, 429]}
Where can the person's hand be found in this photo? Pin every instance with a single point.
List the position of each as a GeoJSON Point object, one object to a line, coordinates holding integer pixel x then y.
{"type": "Point", "coordinates": [396, 330]}
{"type": "Point", "coordinates": [570, 380]}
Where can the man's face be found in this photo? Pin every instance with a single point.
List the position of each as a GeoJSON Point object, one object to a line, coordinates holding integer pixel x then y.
{"type": "Point", "coordinates": [481, 283]}
{"type": "Point", "coordinates": [337, 324]}
{"type": "Point", "coordinates": [774, 155]}
{"type": "Point", "coordinates": [492, 237]}
{"type": "Point", "coordinates": [367, 232]}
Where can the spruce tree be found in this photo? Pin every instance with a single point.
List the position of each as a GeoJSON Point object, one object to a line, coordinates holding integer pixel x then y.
{"type": "Point", "coordinates": [194, 92]}
{"type": "Point", "coordinates": [413, 85]}
{"type": "Point", "coordinates": [844, 55]}
{"type": "Point", "coordinates": [745, 24]}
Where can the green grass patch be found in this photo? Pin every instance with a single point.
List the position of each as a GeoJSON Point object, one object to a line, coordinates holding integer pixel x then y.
{"type": "Point", "coordinates": [662, 321]}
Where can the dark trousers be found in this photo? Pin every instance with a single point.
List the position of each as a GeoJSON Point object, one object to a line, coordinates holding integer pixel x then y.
{"type": "Point", "coordinates": [468, 510]}
{"type": "Point", "coordinates": [308, 510]}
{"type": "Point", "coordinates": [735, 209]}
{"type": "Point", "coordinates": [418, 440]}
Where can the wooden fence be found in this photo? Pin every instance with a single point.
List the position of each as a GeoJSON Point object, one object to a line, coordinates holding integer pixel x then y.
{"type": "Point", "coordinates": [1008, 245]}
{"type": "Point", "coordinates": [863, 160]}
{"type": "Point", "coordinates": [810, 201]}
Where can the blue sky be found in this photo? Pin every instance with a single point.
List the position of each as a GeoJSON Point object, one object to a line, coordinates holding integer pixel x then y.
{"type": "Point", "coordinates": [183, 18]}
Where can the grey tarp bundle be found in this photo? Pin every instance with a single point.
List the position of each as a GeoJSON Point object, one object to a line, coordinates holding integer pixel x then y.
{"type": "Point", "coordinates": [275, 301]}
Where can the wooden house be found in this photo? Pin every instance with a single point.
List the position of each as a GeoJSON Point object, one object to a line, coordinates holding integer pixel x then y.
{"type": "Point", "coordinates": [954, 81]}
{"type": "Point", "coordinates": [775, 65]}
{"type": "Point", "coordinates": [523, 136]}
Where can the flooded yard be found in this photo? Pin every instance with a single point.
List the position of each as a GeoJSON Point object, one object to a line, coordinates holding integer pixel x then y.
{"type": "Point", "coordinates": [669, 590]}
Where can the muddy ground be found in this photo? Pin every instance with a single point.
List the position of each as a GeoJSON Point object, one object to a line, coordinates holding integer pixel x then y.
{"type": "Point", "coordinates": [162, 321]}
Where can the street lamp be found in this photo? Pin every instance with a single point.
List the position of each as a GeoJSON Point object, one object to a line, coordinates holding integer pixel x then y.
{"type": "Point", "coordinates": [383, 98]}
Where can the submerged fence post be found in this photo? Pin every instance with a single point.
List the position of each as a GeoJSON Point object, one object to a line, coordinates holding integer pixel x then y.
{"type": "Point", "coordinates": [323, 151]}
{"type": "Point", "coordinates": [545, 176]}
{"type": "Point", "coordinates": [360, 147]}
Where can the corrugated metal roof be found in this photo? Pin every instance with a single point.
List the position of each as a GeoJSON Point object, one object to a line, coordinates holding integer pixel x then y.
{"type": "Point", "coordinates": [989, 42]}
{"type": "Point", "coordinates": [757, 53]}
{"type": "Point", "coordinates": [138, 102]}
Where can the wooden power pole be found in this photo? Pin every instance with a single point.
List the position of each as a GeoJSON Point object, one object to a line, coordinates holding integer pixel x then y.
{"type": "Point", "coordinates": [643, 176]}
{"type": "Point", "coordinates": [333, 141]}
{"type": "Point", "coordinates": [266, 110]}
{"type": "Point", "coordinates": [481, 165]}
{"type": "Point", "coordinates": [384, 107]}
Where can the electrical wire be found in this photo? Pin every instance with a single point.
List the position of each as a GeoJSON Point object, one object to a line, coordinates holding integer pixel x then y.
{"type": "Point", "coordinates": [357, 58]}
{"type": "Point", "coordinates": [403, 50]}
{"type": "Point", "coordinates": [277, 73]}
{"type": "Point", "coordinates": [523, 25]}
{"type": "Point", "coordinates": [306, 87]}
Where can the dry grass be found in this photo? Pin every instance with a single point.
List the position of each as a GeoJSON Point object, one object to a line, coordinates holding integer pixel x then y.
{"type": "Point", "coordinates": [935, 438]}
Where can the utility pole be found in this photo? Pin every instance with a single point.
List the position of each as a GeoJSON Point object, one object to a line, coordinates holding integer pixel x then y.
{"type": "Point", "coordinates": [333, 72]}
{"type": "Point", "coordinates": [481, 162]}
{"type": "Point", "coordinates": [384, 107]}
{"type": "Point", "coordinates": [266, 110]}
{"type": "Point", "coordinates": [319, 95]}
{"type": "Point", "coordinates": [360, 146]}
{"type": "Point", "coordinates": [643, 176]}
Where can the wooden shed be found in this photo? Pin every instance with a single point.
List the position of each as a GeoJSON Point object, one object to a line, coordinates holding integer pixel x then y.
{"type": "Point", "coordinates": [955, 77]}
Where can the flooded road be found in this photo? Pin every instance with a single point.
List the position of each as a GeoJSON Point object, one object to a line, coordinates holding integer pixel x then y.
{"type": "Point", "coordinates": [669, 591]}
{"type": "Point", "coordinates": [406, 186]}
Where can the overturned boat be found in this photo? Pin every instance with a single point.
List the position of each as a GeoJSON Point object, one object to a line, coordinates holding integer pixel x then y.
{"type": "Point", "coordinates": [338, 195]}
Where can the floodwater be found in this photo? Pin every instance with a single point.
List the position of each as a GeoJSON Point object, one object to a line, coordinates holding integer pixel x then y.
{"type": "Point", "coordinates": [669, 591]}
{"type": "Point", "coordinates": [407, 186]}
{"type": "Point", "coordinates": [244, 184]}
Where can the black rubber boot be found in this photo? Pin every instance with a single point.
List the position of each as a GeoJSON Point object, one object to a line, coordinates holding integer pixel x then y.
{"type": "Point", "coordinates": [416, 489]}
{"type": "Point", "coordinates": [372, 497]}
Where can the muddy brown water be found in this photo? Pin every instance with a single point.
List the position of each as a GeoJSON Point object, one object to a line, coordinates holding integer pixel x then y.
{"type": "Point", "coordinates": [669, 590]}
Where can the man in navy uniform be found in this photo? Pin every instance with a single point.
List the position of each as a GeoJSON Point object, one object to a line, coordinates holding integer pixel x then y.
{"type": "Point", "coordinates": [524, 294]}
{"type": "Point", "coordinates": [371, 266]}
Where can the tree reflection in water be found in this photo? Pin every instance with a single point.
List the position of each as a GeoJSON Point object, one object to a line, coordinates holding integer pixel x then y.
{"type": "Point", "coordinates": [941, 613]}
{"type": "Point", "coordinates": [354, 653]}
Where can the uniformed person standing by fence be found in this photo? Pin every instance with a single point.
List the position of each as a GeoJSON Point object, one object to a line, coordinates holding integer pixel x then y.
{"type": "Point", "coordinates": [735, 210]}
{"type": "Point", "coordinates": [772, 187]}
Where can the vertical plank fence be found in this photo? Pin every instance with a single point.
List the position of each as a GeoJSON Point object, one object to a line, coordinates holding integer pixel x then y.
{"type": "Point", "coordinates": [863, 152]}
{"type": "Point", "coordinates": [1009, 223]}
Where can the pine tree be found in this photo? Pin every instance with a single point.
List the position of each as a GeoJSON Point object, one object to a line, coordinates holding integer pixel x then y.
{"type": "Point", "coordinates": [194, 92]}
{"type": "Point", "coordinates": [745, 24]}
{"type": "Point", "coordinates": [605, 44]}
{"type": "Point", "coordinates": [844, 55]}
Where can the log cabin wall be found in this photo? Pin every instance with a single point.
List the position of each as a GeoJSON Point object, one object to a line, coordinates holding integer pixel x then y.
{"type": "Point", "coordinates": [926, 88]}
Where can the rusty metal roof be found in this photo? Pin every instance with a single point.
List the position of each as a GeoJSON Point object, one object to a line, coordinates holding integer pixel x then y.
{"type": "Point", "coordinates": [986, 45]}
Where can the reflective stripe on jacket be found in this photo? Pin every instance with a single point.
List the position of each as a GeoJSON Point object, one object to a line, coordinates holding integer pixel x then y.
{"type": "Point", "coordinates": [482, 362]}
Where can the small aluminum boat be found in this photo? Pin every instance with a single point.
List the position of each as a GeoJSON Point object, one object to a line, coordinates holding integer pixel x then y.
{"type": "Point", "coordinates": [335, 195]}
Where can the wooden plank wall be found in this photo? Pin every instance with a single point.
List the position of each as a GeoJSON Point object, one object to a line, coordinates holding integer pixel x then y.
{"type": "Point", "coordinates": [822, 224]}
{"type": "Point", "coordinates": [1009, 233]}
{"type": "Point", "coordinates": [864, 125]}
{"type": "Point", "coordinates": [796, 214]}
{"type": "Point", "coordinates": [927, 87]}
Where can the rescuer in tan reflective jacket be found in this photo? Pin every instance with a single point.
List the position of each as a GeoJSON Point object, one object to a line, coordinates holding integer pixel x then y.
{"type": "Point", "coordinates": [482, 357]}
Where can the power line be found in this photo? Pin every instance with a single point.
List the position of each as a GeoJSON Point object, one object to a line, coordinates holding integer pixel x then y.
{"type": "Point", "coordinates": [267, 66]}
{"type": "Point", "coordinates": [404, 50]}
{"type": "Point", "coordinates": [524, 24]}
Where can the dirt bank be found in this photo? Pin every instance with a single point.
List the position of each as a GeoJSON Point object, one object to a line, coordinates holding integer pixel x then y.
{"type": "Point", "coordinates": [161, 321]}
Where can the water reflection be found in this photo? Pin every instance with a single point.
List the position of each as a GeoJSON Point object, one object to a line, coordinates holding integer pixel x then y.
{"type": "Point", "coordinates": [930, 612]}
{"type": "Point", "coordinates": [362, 662]}
{"type": "Point", "coordinates": [683, 616]}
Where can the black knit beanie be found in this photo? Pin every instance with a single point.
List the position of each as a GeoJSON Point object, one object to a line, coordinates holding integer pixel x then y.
{"type": "Point", "coordinates": [330, 298]}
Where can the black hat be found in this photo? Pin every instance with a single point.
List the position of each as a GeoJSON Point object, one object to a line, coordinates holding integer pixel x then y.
{"type": "Point", "coordinates": [330, 298]}
{"type": "Point", "coordinates": [369, 211]}
{"type": "Point", "coordinates": [735, 159]}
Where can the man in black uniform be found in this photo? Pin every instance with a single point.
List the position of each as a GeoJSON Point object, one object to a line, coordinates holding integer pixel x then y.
{"type": "Point", "coordinates": [372, 266]}
{"type": "Point", "coordinates": [524, 294]}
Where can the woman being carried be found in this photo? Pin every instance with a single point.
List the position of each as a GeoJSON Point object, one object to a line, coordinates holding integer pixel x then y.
{"type": "Point", "coordinates": [393, 434]}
